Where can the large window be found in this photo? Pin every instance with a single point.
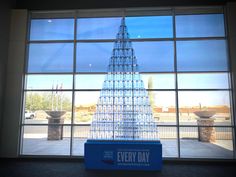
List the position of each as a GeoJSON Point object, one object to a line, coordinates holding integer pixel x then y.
{"type": "Point", "coordinates": [183, 62]}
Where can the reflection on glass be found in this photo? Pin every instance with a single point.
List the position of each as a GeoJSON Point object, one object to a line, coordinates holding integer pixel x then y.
{"type": "Point", "coordinates": [168, 137]}
{"type": "Point", "coordinates": [163, 106]}
{"type": "Point", "coordinates": [38, 103]}
{"type": "Point", "coordinates": [97, 28]}
{"type": "Point", "coordinates": [205, 55]}
{"type": "Point", "coordinates": [192, 146]}
{"type": "Point", "coordinates": [56, 57]}
{"type": "Point", "coordinates": [52, 29]}
{"type": "Point", "coordinates": [208, 25]}
{"type": "Point", "coordinates": [150, 27]}
{"type": "Point", "coordinates": [158, 81]}
{"type": "Point", "coordinates": [93, 57]}
{"type": "Point", "coordinates": [85, 106]}
{"type": "Point", "coordinates": [80, 136]}
{"type": "Point", "coordinates": [89, 81]}
{"type": "Point", "coordinates": [35, 141]}
{"type": "Point", "coordinates": [214, 101]}
{"type": "Point", "coordinates": [154, 56]}
{"type": "Point", "coordinates": [203, 81]}
{"type": "Point", "coordinates": [49, 82]}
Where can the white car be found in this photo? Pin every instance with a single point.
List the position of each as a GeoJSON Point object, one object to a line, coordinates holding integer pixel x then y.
{"type": "Point", "coordinates": [29, 115]}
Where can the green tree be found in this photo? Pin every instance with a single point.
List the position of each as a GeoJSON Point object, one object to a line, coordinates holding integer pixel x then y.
{"type": "Point", "coordinates": [150, 93]}
{"type": "Point", "coordinates": [47, 101]}
{"type": "Point", "coordinates": [33, 101]}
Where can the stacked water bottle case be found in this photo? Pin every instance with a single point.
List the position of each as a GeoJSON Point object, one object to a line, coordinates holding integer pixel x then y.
{"type": "Point", "coordinates": [123, 111]}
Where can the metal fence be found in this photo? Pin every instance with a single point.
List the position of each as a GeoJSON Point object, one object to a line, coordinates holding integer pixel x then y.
{"type": "Point", "coordinates": [221, 133]}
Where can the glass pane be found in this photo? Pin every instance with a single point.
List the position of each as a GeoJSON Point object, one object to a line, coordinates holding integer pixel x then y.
{"type": "Point", "coordinates": [49, 82]}
{"type": "Point", "coordinates": [46, 140]}
{"type": "Point", "coordinates": [40, 107]}
{"type": "Point", "coordinates": [210, 25]}
{"type": "Point", "coordinates": [168, 137]}
{"type": "Point", "coordinates": [85, 106]}
{"type": "Point", "coordinates": [50, 58]}
{"type": "Point", "coordinates": [155, 56]}
{"type": "Point", "coordinates": [203, 81]}
{"type": "Point", "coordinates": [159, 81]}
{"type": "Point", "coordinates": [97, 28]}
{"type": "Point", "coordinates": [206, 142]}
{"type": "Point", "coordinates": [163, 106]}
{"type": "Point", "coordinates": [52, 29]}
{"type": "Point", "coordinates": [80, 136]}
{"type": "Point", "coordinates": [197, 104]}
{"type": "Point", "coordinates": [206, 55]}
{"type": "Point", "coordinates": [93, 57]}
{"type": "Point", "coordinates": [150, 27]}
{"type": "Point", "coordinates": [89, 81]}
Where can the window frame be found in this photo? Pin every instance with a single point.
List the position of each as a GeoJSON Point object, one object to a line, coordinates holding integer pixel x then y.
{"type": "Point", "coordinates": [119, 13]}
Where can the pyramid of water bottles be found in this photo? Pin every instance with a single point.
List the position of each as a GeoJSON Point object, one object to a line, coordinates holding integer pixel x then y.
{"type": "Point", "coordinates": [123, 111]}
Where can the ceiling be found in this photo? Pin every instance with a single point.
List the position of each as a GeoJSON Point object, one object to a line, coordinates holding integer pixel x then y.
{"type": "Point", "coordinates": [91, 4]}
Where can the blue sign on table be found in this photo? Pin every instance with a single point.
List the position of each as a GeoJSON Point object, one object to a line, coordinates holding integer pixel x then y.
{"type": "Point", "coordinates": [123, 155]}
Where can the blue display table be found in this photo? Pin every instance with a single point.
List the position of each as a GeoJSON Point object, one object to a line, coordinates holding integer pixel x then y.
{"type": "Point", "coordinates": [123, 155]}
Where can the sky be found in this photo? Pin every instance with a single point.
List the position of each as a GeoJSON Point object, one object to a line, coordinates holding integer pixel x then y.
{"type": "Point", "coordinates": [152, 56]}
{"type": "Point", "coordinates": [160, 81]}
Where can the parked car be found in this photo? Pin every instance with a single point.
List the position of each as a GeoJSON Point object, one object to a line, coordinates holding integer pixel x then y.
{"type": "Point", "coordinates": [29, 115]}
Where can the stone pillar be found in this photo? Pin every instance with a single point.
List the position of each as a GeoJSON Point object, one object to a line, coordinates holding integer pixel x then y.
{"type": "Point", "coordinates": [206, 134]}
{"type": "Point", "coordinates": [55, 131]}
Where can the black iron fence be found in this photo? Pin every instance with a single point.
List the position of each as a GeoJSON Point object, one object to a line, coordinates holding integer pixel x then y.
{"type": "Point", "coordinates": [165, 132]}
